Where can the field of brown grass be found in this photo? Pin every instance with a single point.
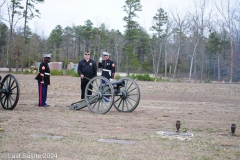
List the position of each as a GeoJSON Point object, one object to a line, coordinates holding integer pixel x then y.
{"type": "Point", "coordinates": [56, 132]}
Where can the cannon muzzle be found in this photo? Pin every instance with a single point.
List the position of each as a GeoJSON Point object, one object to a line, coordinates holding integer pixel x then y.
{"type": "Point", "coordinates": [119, 83]}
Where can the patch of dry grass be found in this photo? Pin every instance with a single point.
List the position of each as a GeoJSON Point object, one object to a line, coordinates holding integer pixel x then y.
{"type": "Point", "coordinates": [207, 110]}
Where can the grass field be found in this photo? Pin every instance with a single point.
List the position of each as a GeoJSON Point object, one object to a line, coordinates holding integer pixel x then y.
{"type": "Point", "coordinates": [56, 132]}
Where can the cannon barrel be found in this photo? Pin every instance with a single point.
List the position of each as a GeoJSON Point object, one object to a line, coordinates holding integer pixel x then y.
{"type": "Point", "coordinates": [119, 83]}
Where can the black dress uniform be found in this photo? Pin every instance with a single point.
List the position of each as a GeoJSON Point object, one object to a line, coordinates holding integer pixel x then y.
{"type": "Point", "coordinates": [89, 70]}
{"type": "Point", "coordinates": [108, 68]}
{"type": "Point", "coordinates": [43, 79]}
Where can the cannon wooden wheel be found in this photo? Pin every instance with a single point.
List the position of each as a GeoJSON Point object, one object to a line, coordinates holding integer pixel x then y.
{"type": "Point", "coordinates": [9, 92]}
{"type": "Point", "coordinates": [129, 96]}
{"type": "Point", "coordinates": [99, 97]}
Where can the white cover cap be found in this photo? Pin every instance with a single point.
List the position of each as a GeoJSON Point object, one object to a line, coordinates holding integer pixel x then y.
{"type": "Point", "coordinates": [106, 53]}
{"type": "Point", "coordinates": [47, 55]}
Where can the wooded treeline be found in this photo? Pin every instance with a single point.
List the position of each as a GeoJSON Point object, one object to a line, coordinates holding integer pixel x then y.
{"type": "Point", "coordinates": [201, 44]}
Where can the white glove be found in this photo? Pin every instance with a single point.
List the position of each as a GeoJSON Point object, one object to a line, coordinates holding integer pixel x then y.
{"type": "Point", "coordinates": [111, 79]}
{"type": "Point", "coordinates": [100, 60]}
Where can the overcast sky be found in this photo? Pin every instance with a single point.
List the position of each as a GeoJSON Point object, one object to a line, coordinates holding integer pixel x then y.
{"type": "Point", "coordinates": [109, 12]}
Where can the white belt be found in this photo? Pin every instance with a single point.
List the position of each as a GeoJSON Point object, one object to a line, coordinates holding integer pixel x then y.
{"type": "Point", "coordinates": [45, 73]}
{"type": "Point", "coordinates": [109, 71]}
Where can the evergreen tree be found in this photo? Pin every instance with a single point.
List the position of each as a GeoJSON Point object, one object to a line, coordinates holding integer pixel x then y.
{"type": "Point", "coordinates": [131, 7]}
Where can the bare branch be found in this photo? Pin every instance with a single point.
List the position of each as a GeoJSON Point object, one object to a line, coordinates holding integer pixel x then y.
{"type": "Point", "coordinates": [3, 3]}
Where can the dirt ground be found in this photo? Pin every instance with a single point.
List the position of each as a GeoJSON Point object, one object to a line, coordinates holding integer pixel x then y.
{"type": "Point", "coordinates": [56, 132]}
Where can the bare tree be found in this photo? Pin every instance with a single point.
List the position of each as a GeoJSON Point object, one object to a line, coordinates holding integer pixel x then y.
{"type": "Point", "coordinates": [181, 26]}
{"type": "Point", "coordinates": [168, 33]}
{"type": "Point", "coordinates": [228, 12]}
{"type": "Point", "coordinates": [119, 43]}
{"type": "Point", "coordinates": [159, 21]}
{"type": "Point", "coordinates": [14, 15]}
{"type": "Point", "coordinates": [198, 28]}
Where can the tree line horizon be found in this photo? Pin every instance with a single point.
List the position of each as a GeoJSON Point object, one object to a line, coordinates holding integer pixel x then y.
{"type": "Point", "coordinates": [203, 44]}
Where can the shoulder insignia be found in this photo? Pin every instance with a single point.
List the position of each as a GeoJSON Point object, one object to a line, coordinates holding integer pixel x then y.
{"type": "Point", "coordinates": [43, 68]}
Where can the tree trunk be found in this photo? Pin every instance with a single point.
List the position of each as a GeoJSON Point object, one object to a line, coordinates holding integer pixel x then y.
{"type": "Point", "coordinates": [193, 56]}
{"type": "Point", "coordinates": [165, 60]}
{"type": "Point", "coordinates": [176, 62]}
{"type": "Point", "coordinates": [219, 69]}
{"type": "Point", "coordinates": [231, 66]}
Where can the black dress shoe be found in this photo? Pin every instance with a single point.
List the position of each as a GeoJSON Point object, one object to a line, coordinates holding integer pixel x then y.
{"type": "Point", "coordinates": [46, 105]}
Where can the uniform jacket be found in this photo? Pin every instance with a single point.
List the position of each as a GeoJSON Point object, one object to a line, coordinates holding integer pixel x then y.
{"type": "Point", "coordinates": [44, 73]}
{"type": "Point", "coordinates": [108, 68]}
{"type": "Point", "coordinates": [88, 69]}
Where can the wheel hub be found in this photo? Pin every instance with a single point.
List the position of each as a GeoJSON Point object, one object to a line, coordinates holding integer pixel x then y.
{"type": "Point", "coordinates": [99, 95]}
{"type": "Point", "coordinates": [124, 95]}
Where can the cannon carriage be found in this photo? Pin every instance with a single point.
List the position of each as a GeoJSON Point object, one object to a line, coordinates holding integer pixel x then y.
{"type": "Point", "coordinates": [9, 92]}
{"type": "Point", "coordinates": [101, 95]}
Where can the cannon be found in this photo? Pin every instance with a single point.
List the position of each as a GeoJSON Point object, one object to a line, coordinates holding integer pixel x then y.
{"type": "Point", "coordinates": [9, 92]}
{"type": "Point", "coordinates": [101, 95]}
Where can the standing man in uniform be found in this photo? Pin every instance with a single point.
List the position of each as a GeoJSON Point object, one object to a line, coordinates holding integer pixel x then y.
{"type": "Point", "coordinates": [108, 66]}
{"type": "Point", "coordinates": [43, 79]}
{"type": "Point", "coordinates": [87, 69]}
{"type": "Point", "coordinates": [108, 69]}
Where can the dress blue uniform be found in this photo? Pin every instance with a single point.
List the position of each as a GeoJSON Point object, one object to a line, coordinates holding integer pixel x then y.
{"type": "Point", "coordinates": [43, 79]}
{"type": "Point", "coordinates": [108, 67]}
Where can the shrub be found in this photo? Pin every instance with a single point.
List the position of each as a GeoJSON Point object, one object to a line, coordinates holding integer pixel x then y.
{"type": "Point", "coordinates": [56, 72]}
{"type": "Point", "coordinates": [71, 73]}
{"type": "Point", "coordinates": [145, 77]}
{"type": "Point", "coordinates": [117, 76]}
{"type": "Point", "coordinates": [133, 76]}
{"type": "Point", "coordinates": [17, 72]}
{"type": "Point", "coordinates": [178, 80]}
{"type": "Point", "coordinates": [207, 80]}
{"type": "Point", "coordinates": [26, 72]}
{"type": "Point", "coordinates": [163, 79]}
